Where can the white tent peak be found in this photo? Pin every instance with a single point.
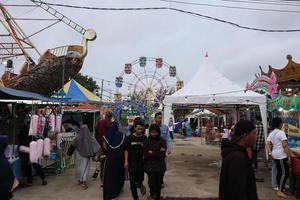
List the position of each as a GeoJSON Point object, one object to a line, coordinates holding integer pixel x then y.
{"type": "Point", "coordinates": [211, 88]}
{"type": "Point", "coordinates": [209, 81]}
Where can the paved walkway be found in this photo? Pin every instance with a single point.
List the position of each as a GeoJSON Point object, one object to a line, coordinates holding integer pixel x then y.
{"type": "Point", "coordinates": [193, 173]}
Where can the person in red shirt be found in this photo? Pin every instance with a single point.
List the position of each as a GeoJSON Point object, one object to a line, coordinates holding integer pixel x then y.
{"type": "Point", "coordinates": [101, 128]}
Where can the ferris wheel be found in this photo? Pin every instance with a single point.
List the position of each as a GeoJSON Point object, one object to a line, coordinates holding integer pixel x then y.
{"type": "Point", "coordinates": [147, 80]}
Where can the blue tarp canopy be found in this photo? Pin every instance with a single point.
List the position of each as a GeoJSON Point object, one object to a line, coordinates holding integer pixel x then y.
{"type": "Point", "coordinates": [13, 94]}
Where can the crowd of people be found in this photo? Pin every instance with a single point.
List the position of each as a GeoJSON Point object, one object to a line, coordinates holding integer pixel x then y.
{"type": "Point", "coordinates": [120, 153]}
{"type": "Point", "coordinates": [134, 154]}
{"type": "Point", "coordinates": [239, 160]}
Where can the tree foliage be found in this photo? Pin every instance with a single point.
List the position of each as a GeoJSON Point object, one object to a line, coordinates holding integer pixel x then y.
{"type": "Point", "coordinates": [87, 82]}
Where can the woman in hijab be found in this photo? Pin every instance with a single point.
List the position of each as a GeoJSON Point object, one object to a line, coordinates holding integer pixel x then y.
{"type": "Point", "coordinates": [114, 172]}
{"type": "Point", "coordinates": [6, 173]}
{"type": "Point", "coordinates": [86, 146]}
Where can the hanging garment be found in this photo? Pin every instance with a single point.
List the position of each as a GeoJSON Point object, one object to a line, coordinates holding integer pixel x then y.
{"type": "Point", "coordinates": [52, 122]}
{"type": "Point", "coordinates": [59, 140]}
{"type": "Point", "coordinates": [33, 148]}
{"type": "Point", "coordinates": [40, 147]}
{"type": "Point", "coordinates": [58, 122]}
{"type": "Point", "coordinates": [33, 129]}
{"type": "Point", "coordinates": [47, 147]}
{"type": "Point", "coordinates": [41, 125]}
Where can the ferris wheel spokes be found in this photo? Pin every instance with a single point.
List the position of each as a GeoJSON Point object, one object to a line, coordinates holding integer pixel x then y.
{"type": "Point", "coordinates": [153, 77]}
{"type": "Point", "coordinates": [149, 83]}
{"type": "Point", "coordinates": [138, 78]}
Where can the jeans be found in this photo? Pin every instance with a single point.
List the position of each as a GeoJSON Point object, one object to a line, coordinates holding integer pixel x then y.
{"type": "Point", "coordinates": [274, 175]}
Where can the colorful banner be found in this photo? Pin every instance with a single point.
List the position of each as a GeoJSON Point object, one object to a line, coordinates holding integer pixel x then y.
{"type": "Point", "coordinates": [284, 103]}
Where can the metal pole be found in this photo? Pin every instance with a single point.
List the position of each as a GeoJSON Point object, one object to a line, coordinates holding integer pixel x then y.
{"type": "Point", "coordinates": [63, 74]}
{"type": "Point", "coordinates": [101, 93]}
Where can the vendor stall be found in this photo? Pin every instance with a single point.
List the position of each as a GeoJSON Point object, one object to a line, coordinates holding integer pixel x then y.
{"type": "Point", "coordinates": [288, 109]}
{"type": "Point", "coordinates": [209, 89]}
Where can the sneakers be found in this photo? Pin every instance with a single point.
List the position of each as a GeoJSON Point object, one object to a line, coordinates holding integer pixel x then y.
{"type": "Point", "coordinates": [95, 175]}
{"type": "Point", "coordinates": [276, 188]}
{"type": "Point", "coordinates": [143, 190]}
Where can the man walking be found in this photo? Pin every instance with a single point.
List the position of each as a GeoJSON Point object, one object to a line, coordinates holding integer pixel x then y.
{"type": "Point", "coordinates": [260, 142]}
{"type": "Point", "coordinates": [134, 159]}
{"type": "Point", "coordinates": [164, 133]}
{"type": "Point", "coordinates": [237, 179]}
{"type": "Point", "coordinates": [102, 126]}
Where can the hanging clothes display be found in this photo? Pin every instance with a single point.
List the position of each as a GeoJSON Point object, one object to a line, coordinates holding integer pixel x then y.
{"type": "Point", "coordinates": [58, 121]}
{"type": "Point", "coordinates": [59, 140]}
{"type": "Point", "coordinates": [47, 147]}
{"type": "Point", "coordinates": [33, 152]}
{"type": "Point", "coordinates": [41, 125]}
{"type": "Point", "coordinates": [33, 129]}
{"type": "Point", "coordinates": [51, 122]}
{"type": "Point", "coordinates": [40, 147]}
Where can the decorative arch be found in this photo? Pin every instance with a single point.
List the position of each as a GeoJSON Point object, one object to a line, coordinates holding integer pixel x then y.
{"type": "Point", "coordinates": [138, 106]}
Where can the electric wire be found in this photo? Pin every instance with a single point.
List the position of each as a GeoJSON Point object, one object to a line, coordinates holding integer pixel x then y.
{"type": "Point", "coordinates": [232, 7]}
{"type": "Point", "coordinates": [181, 11]}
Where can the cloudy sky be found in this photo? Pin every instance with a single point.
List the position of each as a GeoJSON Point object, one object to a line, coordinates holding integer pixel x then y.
{"type": "Point", "coordinates": [180, 39]}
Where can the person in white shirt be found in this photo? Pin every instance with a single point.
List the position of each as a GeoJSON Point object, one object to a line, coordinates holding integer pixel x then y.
{"type": "Point", "coordinates": [280, 152]}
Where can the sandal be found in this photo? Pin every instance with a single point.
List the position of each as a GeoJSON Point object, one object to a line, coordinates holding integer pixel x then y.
{"type": "Point", "coordinates": [84, 186]}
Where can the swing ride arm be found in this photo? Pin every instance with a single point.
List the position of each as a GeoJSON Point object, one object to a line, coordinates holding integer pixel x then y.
{"type": "Point", "coordinates": [60, 16]}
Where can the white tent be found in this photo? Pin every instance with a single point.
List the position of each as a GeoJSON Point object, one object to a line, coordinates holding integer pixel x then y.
{"type": "Point", "coordinates": [209, 87]}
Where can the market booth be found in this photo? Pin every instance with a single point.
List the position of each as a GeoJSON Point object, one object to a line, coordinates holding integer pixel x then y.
{"type": "Point", "coordinates": [288, 109]}
{"type": "Point", "coordinates": [81, 103]}
{"type": "Point", "coordinates": [209, 89]}
{"type": "Point", "coordinates": [16, 105]}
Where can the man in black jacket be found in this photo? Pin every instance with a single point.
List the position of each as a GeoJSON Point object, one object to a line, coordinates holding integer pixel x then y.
{"type": "Point", "coordinates": [237, 179]}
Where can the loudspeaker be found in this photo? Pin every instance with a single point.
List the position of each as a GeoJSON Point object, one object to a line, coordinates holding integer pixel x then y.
{"type": "Point", "coordinates": [9, 64]}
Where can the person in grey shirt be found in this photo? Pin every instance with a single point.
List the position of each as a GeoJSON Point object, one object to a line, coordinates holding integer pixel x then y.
{"type": "Point", "coordinates": [165, 134]}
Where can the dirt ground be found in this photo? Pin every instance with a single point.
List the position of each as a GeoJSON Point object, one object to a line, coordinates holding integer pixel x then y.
{"type": "Point", "coordinates": [193, 173]}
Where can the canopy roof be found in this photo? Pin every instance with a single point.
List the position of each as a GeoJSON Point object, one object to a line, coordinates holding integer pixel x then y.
{"type": "Point", "coordinates": [210, 89]}
{"type": "Point", "coordinates": [208, 86]}
{"type": "Point", "coordinates": [13, 94]}
{"type": "Point", "coordinates": [74, 92]}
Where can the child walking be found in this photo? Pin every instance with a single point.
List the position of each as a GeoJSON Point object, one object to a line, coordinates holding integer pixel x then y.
{"type": "Point", "coordinates": [134, 159]}
{"type": "Point", "coordinates": [154, 157]}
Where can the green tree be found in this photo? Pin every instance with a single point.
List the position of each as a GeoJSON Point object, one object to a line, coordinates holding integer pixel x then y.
{"type": "Point", "coordinates": [87, 82]}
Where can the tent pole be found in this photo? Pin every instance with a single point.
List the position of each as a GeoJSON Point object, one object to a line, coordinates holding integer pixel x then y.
{"type": "Point", "coordinates": [14, 123]}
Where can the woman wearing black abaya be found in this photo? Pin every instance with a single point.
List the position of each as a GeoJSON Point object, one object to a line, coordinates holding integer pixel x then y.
{"type": "Point", "coordinates": [114, 172]}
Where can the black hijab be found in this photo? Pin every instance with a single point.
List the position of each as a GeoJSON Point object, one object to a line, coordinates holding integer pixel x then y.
{"type": "Point", "coordinates": [113, 137]}
{"type": "Point", "coordinates": [6, 173]}
{"type": "Point", "coordinates": [154, 127]}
